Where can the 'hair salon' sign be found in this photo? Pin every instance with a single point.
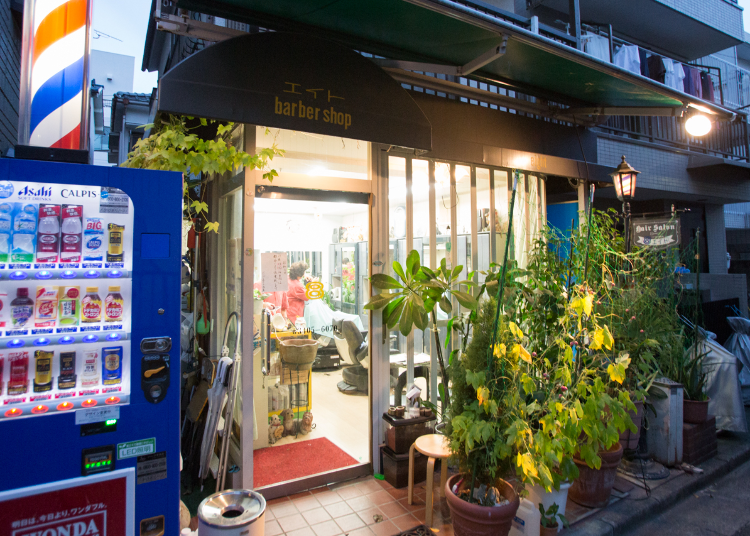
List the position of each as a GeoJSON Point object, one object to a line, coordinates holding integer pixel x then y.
{"type": "Point", "coordinates": [657, 233]}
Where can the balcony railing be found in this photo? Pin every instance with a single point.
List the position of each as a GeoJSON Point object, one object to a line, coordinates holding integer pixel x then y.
{"type": "Point", "coordinates": [726, 140]}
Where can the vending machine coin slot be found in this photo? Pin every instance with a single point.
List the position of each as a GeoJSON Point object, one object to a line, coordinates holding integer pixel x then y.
{"type": "Point", "coordinates": [97, 460]}
{"type": "Point", "coordinates": [155, 376]}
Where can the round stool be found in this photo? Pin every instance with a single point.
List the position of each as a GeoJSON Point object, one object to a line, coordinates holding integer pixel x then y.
{"type": "Point", "coordinates": [433, 446]}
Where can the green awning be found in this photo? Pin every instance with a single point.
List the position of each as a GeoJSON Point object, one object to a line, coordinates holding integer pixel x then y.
{"type": "Point", "coordinates": [451, 33]}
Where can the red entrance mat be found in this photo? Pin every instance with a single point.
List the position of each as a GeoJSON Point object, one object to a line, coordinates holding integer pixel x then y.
{"type": "Point", "coordinates": [272, 465]}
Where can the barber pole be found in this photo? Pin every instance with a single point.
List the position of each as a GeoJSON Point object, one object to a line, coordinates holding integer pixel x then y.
{"type": "Point", "coordinates": [54, 74]}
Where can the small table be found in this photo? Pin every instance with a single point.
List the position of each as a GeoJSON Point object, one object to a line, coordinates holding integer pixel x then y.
{"type": "Point", "coordinates": [433, 446]}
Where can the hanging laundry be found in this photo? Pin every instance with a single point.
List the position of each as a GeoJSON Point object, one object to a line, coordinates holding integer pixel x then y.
{"type": "Point", "coordinates": [679, 76]}
{"type": "Point", "coordinates": [669, 76]}
{"type": "Point", "coordinates": [674, 74]}
{"type": "Point", "coordinates": [596, 46]}
{"type": "Point", "coordinates": [695, 74]}
{"type": "Point", "coordinates": [627, 58]}
{"type": "Point", "coordinates": [707, 85]}
{"type": "Point", "coordinates": [656, 68]}
{"type": "Point", "coordinates": [643, 55]}
{"type": "Point", "coordinates": [688, 81]}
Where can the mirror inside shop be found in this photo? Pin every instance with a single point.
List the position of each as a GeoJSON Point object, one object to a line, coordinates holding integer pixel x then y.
{"type": "Point", "coordinates": [311, 373]}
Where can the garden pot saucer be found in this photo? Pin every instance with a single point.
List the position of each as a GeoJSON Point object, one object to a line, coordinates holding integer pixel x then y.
{"type": "Point", "coordinates": [650, 470]}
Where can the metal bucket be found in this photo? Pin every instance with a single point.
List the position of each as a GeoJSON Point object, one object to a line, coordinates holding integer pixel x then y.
{"type": "Point", "coordinates": [299, 352]}
{"type": "Point", "coordinates": [239, 512]}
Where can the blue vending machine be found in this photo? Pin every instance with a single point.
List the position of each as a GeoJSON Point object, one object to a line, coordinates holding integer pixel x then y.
{"type": "Point", "coordinates": [89, 350]}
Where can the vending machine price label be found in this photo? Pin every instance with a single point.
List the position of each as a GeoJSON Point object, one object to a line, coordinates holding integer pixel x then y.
{"type": "Point", "coordinates": [86, 416]}
{"type": "Point", "coordinates": [131, 449]}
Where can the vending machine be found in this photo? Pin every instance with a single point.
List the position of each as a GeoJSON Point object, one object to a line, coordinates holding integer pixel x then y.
{"type": "Point", "coordinates": [89, 349]}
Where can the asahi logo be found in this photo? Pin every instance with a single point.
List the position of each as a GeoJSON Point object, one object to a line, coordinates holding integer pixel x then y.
{"type": "Point", "coordinates": [43, 192]}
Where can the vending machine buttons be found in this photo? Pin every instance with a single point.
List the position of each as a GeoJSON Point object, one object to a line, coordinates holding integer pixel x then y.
{"type": "Point", "coordinates": [155, 376]}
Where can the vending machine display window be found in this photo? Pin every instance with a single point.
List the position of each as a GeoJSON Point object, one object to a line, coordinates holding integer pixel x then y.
{"type": "Point", "coordinates": [66, 259]}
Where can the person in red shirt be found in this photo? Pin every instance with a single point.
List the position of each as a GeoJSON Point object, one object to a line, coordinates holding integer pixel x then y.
{"type": "Point", "coordinates": [295, 296]}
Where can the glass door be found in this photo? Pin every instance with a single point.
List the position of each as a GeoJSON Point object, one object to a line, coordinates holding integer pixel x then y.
{"type": "Point", "coordinates": [311, 392]}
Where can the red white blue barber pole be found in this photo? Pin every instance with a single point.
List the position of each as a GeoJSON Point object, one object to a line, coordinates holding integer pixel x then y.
{"type": "Point", "coordinates": [54, 74]}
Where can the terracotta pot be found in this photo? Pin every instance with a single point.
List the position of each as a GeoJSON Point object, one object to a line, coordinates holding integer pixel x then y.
{"type": "Point", "coordinates": [593, 487]}
{"type": "Point", "coordinates": [628, 439]}
{"type": "Point", "coordinates": [548, 531]}
{"type": "Point", "coordinates": [694, 412]}
{"type": "Point", "coordinates": [475, 520]}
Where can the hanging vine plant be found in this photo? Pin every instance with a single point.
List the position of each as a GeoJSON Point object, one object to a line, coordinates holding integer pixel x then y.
{"type": "Point", "coordinates": [175, 144]}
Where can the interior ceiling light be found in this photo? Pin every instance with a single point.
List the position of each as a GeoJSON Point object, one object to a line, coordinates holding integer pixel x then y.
{"type": "Point", "coordinates": [698, 125]}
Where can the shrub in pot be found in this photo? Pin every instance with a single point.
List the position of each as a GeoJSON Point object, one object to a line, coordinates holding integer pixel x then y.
{"type": "Point", "coordinates": [686, 368]}
{"type": "Point", "coordinates": [507, 421]}
{"type": "Point", "coordinates": [599, 402]}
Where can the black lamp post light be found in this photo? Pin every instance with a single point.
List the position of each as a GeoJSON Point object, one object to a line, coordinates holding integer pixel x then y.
{"type": "Point", "coordinates": [624, 177]}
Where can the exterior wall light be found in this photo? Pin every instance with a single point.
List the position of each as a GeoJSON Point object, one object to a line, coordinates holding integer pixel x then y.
{"type": "Point", "coordinates": [698, 125]}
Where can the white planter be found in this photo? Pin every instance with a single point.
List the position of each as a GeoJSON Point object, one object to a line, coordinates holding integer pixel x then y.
{"type": "Point", "coordinates": [538, 495]}
{"type": "Point", "coordinates": [257, 307]}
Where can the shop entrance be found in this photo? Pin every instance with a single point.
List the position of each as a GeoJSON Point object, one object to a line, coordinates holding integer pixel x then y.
{"type": "Point", "coordinates": [311, 377]}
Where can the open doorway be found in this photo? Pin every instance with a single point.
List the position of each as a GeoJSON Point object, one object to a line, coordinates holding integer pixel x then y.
{"type": "Point", "coordinates": [310, 273]}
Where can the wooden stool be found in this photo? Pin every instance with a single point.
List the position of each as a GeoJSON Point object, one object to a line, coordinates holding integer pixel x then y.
{"type": "Point", "coordinates": [433, 446]}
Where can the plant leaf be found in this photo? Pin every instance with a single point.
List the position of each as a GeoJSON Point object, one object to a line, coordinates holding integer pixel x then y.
{"type": "Point", "coordinates": [385, 282]}
{"type": "Point", "coordinates": [379, 301]}
{"type": "Point", "coordinates": [412, 262]}
{"type": "Point", "coordinates": [465, 299]}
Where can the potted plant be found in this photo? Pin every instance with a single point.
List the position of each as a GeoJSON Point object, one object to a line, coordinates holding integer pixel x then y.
{"type": "Point", "coordinates": [548, 522]}
{"type": "Point", "coordinates": [601, 404]}
{"type": "Point", "coordinates": [507, 423]}
{"type": "Point", "coordinates": [258, 298]}
{"type": "Point", "coordinates": [688, 371]}
{"type": "Point", "coordinates": [412, 302]}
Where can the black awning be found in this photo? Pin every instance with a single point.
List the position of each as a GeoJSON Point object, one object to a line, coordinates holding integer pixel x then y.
{"type": "Point", "coordinates": [294, 82]}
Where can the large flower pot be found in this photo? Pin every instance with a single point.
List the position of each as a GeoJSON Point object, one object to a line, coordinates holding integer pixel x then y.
{"type": "Point", "coordinates": [694, 412]}
{"type": "Point", "coordinates": [474, 520]}
{"type": "Point", "coordinates": [593, 487]}
{"type": "Point", "coordinates": [628, 439]}
{"type": "Point", "coordinates": [548, 498]}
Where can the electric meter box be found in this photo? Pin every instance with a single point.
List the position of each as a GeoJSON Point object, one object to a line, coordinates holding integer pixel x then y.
{"type": "Point", "coordinates": [89, 289]}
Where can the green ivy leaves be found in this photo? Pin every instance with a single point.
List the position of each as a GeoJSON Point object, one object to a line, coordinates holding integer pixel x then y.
{"type": "Point", "coordinates": [172, 147]}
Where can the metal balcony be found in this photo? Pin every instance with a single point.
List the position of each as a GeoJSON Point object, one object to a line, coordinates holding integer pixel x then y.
{"type": "Point", "coordinates": [682, 29]}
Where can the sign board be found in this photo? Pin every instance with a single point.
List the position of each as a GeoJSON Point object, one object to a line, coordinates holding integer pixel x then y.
{"type": "Point", "coordinates": [102, 504]}
{"type": "Point", "coordinates": [98, 414]}
{"type": "Point", "coordinates": [131, 449]}
{"type": "Point", "coordinates": [656, 233]}
{"type": "Point", "coordinates": [274, 272]}
{"type": "Point", "coordinates": [53, 109]}
{"type": "Point", "coordinates": [152, 467]}
{"type": "Point", "coordinates": [312, 85]}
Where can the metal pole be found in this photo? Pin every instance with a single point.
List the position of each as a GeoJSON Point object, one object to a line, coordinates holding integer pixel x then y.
{"type": "Point", "coordinates": [626, 211]}
{"type": "Point", "coordinates": [611, 46]}
{"type": "Point", "coordinates": [574, 13]}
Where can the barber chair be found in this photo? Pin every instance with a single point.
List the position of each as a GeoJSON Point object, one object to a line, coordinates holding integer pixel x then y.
{"type": "Point", "coordinates": [353, 349]}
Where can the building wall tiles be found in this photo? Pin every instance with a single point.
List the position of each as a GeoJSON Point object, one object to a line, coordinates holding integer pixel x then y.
{"type": "Point", "coordinates": [666, 170]}
{"type": "Point", "coordinates": [721, 14]}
